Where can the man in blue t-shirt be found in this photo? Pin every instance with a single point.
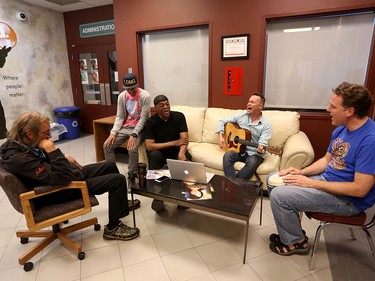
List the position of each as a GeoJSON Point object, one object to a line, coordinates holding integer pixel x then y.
{"type": "Point", "coordinates": [340, 183]}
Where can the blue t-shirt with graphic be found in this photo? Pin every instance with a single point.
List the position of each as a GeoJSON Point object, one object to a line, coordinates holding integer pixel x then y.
{"type": "Point", "coordinates": [353, 151]}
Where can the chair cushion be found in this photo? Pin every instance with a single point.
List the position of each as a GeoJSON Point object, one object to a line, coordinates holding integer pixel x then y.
{"type": "Point", "coordinates": [47, 212]}
{"type": "Point", "coordinates": [359, 219]}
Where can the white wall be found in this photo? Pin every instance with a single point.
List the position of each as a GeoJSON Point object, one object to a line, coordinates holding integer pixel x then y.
{"type": "Point", "coordinates": [176, 65]}
{"type": "Point", "coordinates": [38, 62]}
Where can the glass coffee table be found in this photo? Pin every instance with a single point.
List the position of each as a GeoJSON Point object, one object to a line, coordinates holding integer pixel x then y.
{"type": "Point", "coordinates": [230, 199]}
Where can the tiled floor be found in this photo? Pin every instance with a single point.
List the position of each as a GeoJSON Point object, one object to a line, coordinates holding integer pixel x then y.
{"type": "Point", "coordinates": [176, 245]}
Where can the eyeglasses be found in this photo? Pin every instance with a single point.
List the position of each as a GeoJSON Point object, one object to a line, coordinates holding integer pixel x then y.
{"type": "Point", "coordinates": [46, 133]}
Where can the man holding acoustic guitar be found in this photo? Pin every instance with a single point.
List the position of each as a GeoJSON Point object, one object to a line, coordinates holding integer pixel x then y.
{"type": "Point", "coordinates": [252, 132]}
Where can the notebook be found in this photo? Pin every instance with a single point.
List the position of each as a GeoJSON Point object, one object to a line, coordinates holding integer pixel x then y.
{"type": "Point", "coordinates": [188, 171]}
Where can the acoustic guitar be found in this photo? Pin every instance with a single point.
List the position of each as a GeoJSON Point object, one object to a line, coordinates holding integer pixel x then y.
{"type": "Point", "coordinates": [237, 139]}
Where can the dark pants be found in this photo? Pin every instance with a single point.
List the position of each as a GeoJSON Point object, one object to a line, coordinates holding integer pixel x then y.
{"type": "Point", "coordinates": [105, 177]}
{"type": "Point", "coordinates": [100, 178]}
{"type": "Point", "coordinates": [251, 164]}
{"type": "Point", "coordinates": [157, 158]}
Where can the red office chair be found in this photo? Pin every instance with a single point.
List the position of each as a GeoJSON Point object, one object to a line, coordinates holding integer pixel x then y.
{"type": "Point", "coordinates": [358, 221]}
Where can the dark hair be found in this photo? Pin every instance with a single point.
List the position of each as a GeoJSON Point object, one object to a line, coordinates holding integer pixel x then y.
{"type": "Point", "coordinates": [159, 98]}
{"type": "Point", "coordinates": [355, 96]}
{"type": "Point", "coordinates": [263, 99]}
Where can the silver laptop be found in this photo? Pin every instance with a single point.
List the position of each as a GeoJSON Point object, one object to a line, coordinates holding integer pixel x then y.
{"type": "Point", "coordinates": [188, 171]}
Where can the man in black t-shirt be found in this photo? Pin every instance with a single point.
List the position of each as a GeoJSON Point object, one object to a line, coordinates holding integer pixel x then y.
{"type": "Point", "coordinates": [166, 136]}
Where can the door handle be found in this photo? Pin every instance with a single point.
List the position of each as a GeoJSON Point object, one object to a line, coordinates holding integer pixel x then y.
{"type": "Point", "coordinates": [102, 94]}
{"type": "Point", "coordinates": [108, 94]}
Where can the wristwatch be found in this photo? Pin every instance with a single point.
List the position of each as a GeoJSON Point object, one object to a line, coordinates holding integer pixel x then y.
{"type": "Point", "coordinates": [134, 135]}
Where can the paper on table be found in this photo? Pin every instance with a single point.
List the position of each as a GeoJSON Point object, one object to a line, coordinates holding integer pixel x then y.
{"type": "Point", "coordinates": [154, 174]}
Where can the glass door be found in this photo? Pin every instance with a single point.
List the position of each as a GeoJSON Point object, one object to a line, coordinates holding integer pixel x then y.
{"type": "Point", "coordinates": [96, 89]}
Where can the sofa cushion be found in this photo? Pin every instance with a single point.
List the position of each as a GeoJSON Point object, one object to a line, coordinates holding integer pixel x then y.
{"type": "Point", "coordinates": [212, 157]}
{"type": "Point", "coordinates": [284, 125]}
{"type": "Point", "coordinates": [207, 153]}
{"type": "Point", "coordinates": [213, 115]}
{"type": "Point", "coordinates": [194, 118]}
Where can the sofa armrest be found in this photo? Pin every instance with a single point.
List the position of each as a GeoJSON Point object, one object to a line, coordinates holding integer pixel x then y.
{"type": "Point", "coordinates": [297, 152]}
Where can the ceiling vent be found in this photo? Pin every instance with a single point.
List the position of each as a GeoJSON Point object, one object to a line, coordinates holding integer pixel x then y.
{"type": "Point", "coordinates": [64, 2]}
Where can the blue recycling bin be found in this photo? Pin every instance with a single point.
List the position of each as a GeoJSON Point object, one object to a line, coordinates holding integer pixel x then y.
{"type": "Point", "coordinates": [69, 116]}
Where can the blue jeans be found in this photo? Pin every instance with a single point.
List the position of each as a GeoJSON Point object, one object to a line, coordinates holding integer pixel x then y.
{"type": "Point", "coordinates": [288, 201]}
{"type": "Point", "coordinates": [251, 164]}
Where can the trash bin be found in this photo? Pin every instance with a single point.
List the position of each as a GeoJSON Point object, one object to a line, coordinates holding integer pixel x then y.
{"type": "Point", "coordinates": [69, 116]}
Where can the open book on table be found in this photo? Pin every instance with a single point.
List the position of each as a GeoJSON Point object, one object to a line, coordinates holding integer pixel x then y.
{"type": "Point", "coordinates": [198, 191]}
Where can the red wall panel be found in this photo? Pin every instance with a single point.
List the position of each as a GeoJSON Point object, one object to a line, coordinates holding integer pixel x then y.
{"type": "Point", "coordinates": [228, 18]}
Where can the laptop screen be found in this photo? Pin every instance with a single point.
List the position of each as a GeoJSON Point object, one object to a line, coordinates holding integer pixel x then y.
{"type": "Point", "coordinates": [188, 171]}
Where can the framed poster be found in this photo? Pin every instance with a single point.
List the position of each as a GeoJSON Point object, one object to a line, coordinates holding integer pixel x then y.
{"type": "Point", "coordinates": [235, 47]}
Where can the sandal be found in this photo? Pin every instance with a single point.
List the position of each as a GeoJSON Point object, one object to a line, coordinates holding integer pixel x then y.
{"type": "Point", "coordinates": [284, 250]}
{"type": "Point", "coordinates": [275, 238]}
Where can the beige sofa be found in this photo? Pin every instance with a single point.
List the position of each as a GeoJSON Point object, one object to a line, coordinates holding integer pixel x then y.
{"type": "Point", "coordinates": [203, 140]}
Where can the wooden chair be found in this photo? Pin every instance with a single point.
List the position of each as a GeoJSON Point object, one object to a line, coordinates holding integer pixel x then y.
{"type": "Point", "coordinates": [47, 216]}
{"type": "Point", "coordinates": [358, 221]}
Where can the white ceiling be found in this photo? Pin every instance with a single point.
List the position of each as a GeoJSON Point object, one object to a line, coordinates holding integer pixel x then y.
{"type": "Point", "coordinates": [76, 4]}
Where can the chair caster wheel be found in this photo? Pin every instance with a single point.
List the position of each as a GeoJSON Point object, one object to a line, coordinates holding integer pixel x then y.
{"type": "Point", "coordinates": [24, 240]}
{"type": "Point", "coordinates": [28, 266]}
{"type": "Point", "coordinates": [97, 227]}
{"type": "Point", "coordinates": [81, 256]}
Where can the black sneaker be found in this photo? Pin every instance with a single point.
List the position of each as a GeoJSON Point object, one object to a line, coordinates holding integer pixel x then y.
{"type": "Point", "coordinates": [157, 205]}
{"type": "Point", "coordinates": [182, 208]}
{"type": "Point", "coordinates": [137, 204]}
{"type": "Point", "coordinates": [121, 232]}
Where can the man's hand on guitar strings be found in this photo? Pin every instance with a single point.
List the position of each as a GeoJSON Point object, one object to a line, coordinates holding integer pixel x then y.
{"type": "Point", "coordinates": [221, 142]}
{"type": "Point", "coordinates": [261, 149]}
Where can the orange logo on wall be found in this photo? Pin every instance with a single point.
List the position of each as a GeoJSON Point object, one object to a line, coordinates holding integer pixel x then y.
{"type": "Point", "coordinates": [8, 39]}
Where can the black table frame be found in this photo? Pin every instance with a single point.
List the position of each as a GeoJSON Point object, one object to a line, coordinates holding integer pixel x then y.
{"type": "Point", "coordinates": [221, 204]}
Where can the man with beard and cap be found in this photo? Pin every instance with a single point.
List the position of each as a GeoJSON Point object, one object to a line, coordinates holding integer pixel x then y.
{"type": "Point", "coordinates": [261, 131]}
{"type": "Point", "coordinates": [133, 109]}
{"type": "Point", "coordinates": [35, 160]}
{"type": "Point", "coordinates": [166, 137]}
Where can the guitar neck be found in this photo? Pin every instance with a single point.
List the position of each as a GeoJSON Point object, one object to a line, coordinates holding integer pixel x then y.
{"type": "Point", "coordinates": [270, 149]}
{"type": "Point", "coordinates": [246, 142]}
